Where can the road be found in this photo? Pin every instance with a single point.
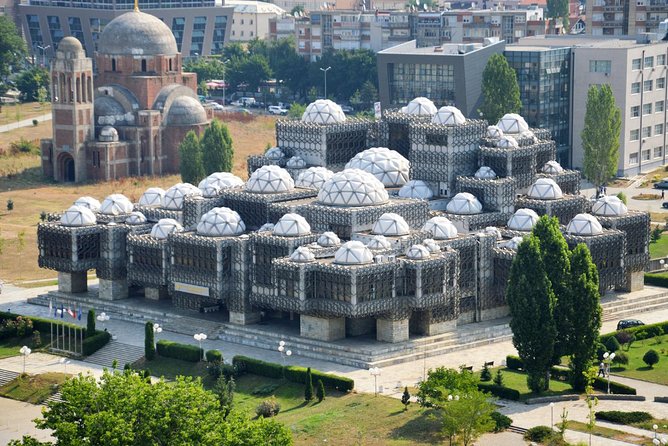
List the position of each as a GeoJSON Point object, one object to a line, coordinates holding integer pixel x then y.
{"type": "Point", "coordinates": [24, 123]}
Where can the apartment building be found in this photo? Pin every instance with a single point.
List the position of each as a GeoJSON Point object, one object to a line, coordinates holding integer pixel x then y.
{"type": "Point", "coordinates": [251, 19]}
{"type": "Point", "coordinates": [624, 17]}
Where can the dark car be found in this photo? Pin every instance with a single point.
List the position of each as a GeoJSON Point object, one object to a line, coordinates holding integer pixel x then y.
{"type": "Point", "coordinates": [663, 184]}
{"type": "Point", "coordinates": [665, 204]}
{"type": "Point", "coordinates": [628, 323]}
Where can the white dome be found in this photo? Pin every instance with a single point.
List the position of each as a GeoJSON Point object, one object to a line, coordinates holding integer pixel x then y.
{"type": "Point", "coordinates": [494, 231]}
{"type": "Point", "coordinates": [493, 131]}
{"type": "Point", "coordinates": [88, 202]}
{"type": "Point", "coordinates": [448, 115]}
{"type": "Point", "coordinates": [323, 111]}
{"type": "Point", "coordinates": [512, 123]}
{"type": "Point", "coordinates": [152, 197]}
{"type": "Point", "coordinates": [485, 173]}
{"type": "Point", "coordinates": [420, 106]}
{"type": "Point", "coordinates": [353, 253]}
{"type": "Point", "coordinates": [507, 142]}
{"type": "Point", "coordinates": [545, 189]}
{"type": "Point", "coordinates": [387, 165]}
{"type": "Point", "coordinates": [379, 242]}
{"type": "Point", "coordinates": [164, 227]}
{"type": "Point", "coordinates": [418, 252]}
{"type": "Point", "coordinates": [314, 177]}
{"type": "Point", "coordinates": [266, 227]}
{"type": "Point", "coordinates": [292, 225]}
{"type": "Point", "coordinates": [529, 134]}
{"type": "Point", "coordinates": [584, 224]}
{"type": "Point", "coordinates": [174, 196]}
{"type": "Point", "coordinates": [391, 224]}
{"type": "Point", "coordinates": [209, 190]}
{"type": "Point", "coordinates": [116, 204]}
{"type": "Point", "coordinates": [464, 203]}
{"type": "Point", "coordinates": [523, 220]}
{"type": "Point", "coordinates": [77, 216]}
{"type": "Point", "coordinates": [431, 245]}
{"type": "Point", "coordinates": [440, 228]}
{"type": "Point", "coordinates": [609, 206]}
{"type": "Point", "coordinates": [270, 180]}
{"type": "Point", "coordinates": [217, 181]}
{"type": "Point", "coordinates": [221, 222]}
{"type": "Point", "coordinates": [296, 162]}
{"type": "Point", "coordinates": [329, 239]}
{"type": "Point", "coordinates": [352, 187]}
{"type": "Point", "coordinates": [136, 218]}
{"type": "Point", "coordinates": [552, 167]}
{"type": "Point", "coordinates": [416, 189]}
{"type": "Point", "coordinates": [513, 243]}
{"type": "Point", "coordinates": [302, 255]}
{"type": "Point", "coordinates": [275, 153]}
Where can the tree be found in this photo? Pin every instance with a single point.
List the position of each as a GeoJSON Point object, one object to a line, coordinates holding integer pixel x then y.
{"type": "Point", "coordinates": [587, 316]}
{"type": "Point", "coordinates": [30, 81]}
{"type": "Point", "coordinates": [90, 323]}
{"type": "Point", "coordinates": [406, 398]}
{"type": "Point", "coordinates": [190, 152]}
{"type": "Point", "coordinates": [12, 49]}
{"type": "Point", "coordinates": [320, 391]}
{"type": "Point", "coordinates": [531, 302]}
{"type": "Point", "coordinates": [442, 382]}
{"type": "Point", "coordinates": [224, 390]}
{"type": "Point", "coordinates": [217, 152]}
{"type": "Point", "coordinates": [501, 93]}
{"type": "Point", "coordinates": [124, 409]}
{"type": "Point", "coordinates": [249, 70]}
{"type": "Point", "coordinates": [296, 110]}
{"type": "Point", "coordinates": [308, 389]}
{"type": "Point", "coordinates": [149, 341]}
{"type": "Point", "coordinates": [368, 95]}
{"type": "Point", "coordinates": [600, 135]}
{"type": "Point", "coordinates": [206, 68]}
{"type": "Point", "coordinates": [298, 9]}
{"type": "Point", "coordinates": [467, 417]}
{"type": "Point", "coordinates": [557, 9]}
{"type": "Point", "coordinates": [650, 358]}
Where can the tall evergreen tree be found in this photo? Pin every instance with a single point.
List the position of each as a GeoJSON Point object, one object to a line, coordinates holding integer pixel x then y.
{"type": "Point", "coordinates": [192, 169]}
{"type": "Point", "coordinates": [149, 341]}
{"type": "Point", "coordinates": [600, 135]}
{"type": "Point", "coordinates": [308, 389]}
{"type": "Point", "coordinates": [587, 318]}
{"type": "Point", "coordinates": [501, 93]}
{"type": "Point", "coordinates": [531, 303]}
{"type": "Point", "coordinates": [217, 151]}
{"type": "Point", "coordinates": [90, 323]}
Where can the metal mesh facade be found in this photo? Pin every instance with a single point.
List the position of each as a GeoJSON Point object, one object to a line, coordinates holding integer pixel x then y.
{"type": "Point", "coordinates": [568, 180]}
{"type": "Point", "coordinates": [636, 228]}
{"type": "Point", "coordinates": [563, 208]}
{"type": "Point", "coordinates": [607, 252]}
{"type": "Point", "coordinates": [148, 264]}
{"type": "Point", "coordinates": [496, 195]}
{"type": "Point", "coordinates": [68, 249]}
{"type": "Point", "coordinates": [112, 264]}
{"type": "Point", "coordinates": [521, 163]}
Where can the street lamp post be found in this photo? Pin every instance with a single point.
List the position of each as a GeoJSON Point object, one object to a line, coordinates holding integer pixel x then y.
{"type": "Point", "coordinates": [375, 372]}
{"type": "Point", "coordinates": [325, 70]}
{"type": "Point", "coordinates": [44, 48]}
{"type": "Point", "coordinates": [607, 358]}
{"type": "Point", "coordinates": [157, 329]}
{"type": "Point", "coordinates": [25, 352]}
{"type": "Point", "coordinates": [103, 317]}
{"type": "Point", "coordinates": [199, 337]}
{"type": "Point", "coordinates": [224, 82]}
{"type": "Point", "coordinates": [552, 416]}
{"type": "Point", "coordinates": [284, 353]}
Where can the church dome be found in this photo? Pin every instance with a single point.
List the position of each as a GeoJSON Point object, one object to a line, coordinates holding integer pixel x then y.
{"type": "Point", "coordinates": [608, 206]}
{"type": "Point", "coordinates": [323, 111]}
{"type": "Point", "coordinates": [417, 189]}
{"type": "Point", "coordinates": [353, 253]}
{"type": "Point", "coordinates": [352, 187]}
{"type": "Point", "coordinates": [221, 222]}
{"type": "Point", "coordinates": [387, 165]}
{"type": "Point", "coordinates": [545, 189]}
{"type": "Point", "coordinates": [464, 203]}
{"type": "Point", "coordinates": [78, 216]}
{"type": "Point", "coordinates": [270, 180]}
{"type": "Point", "coordinates": [137, 34]}
{"type": "Point", "coordinates": [108, 134]}
{"type": "Point", "coordinates": [186, 111]}
{"type": "Point", "coordinates": [448, 115]}
{"type": "Point", "coordinates": [584, 224]}
{"type": "Point", "coordinates": [391, 224]}
{"type": "Point", "coordinates": [71, 48]}
{"type": "Point", "coordinates": [420, 106]}
{"type": "Point", "coordinates": [314, 177]}
{"type": "Point", "coordinates": [440, 228]}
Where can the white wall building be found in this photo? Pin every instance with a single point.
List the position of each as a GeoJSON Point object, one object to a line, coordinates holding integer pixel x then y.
{"type": "Point", "coordinates": [251, 19]}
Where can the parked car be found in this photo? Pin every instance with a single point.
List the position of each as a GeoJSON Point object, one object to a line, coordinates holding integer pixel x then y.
{"type": "Point", "coordinates": [216, 106]}
{"type": "Point", "coordinates": [665, 204]}
{"type": "Point", "coordinates": [347, 109]}
{"type": "Point", "coordinates": [277, 110]}
{"type": "Point", "coordinates": [248, 102]}
{"type": "Point", "coordinates": [628, 323]}
{"type": "Point", "coordinates": [663, 184]}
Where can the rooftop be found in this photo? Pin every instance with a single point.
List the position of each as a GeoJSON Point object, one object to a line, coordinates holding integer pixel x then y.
{"type": "Point", "coordinates": [578, 41]}
{"type": "Point", "coordinates": [450, 49]}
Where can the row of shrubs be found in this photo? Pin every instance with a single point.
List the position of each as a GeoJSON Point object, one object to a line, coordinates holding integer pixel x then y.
{"type": "Point", "coordinates": [617, 416]}
{"type": "Point", "coordinates": [43, 325]}
{"type": "Point", "coordinates": [501, 391]}
{"type": "Point", "coordinates": [184, 352]}
{"type": "Point", "coordinates": [640, 332]}
{"type": "Point", "coordinates": [656, 280]}
{"type": "Point", "coordinates": [93, 343]}
{"type": "Point", "coordinates": [244, 364]}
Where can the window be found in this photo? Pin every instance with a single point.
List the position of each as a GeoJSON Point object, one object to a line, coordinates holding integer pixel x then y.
{"type": "Point", "coordinates": [635, 134]}
{"type": "Point", "coordinates": [647, 109]}
{"type": "Point", "coordinates": [647, 131]}
{"type": "Point", "coordinates": [635, 64]}
{"type": "Point", "coordinates": [633, 159]}
{"type": "Point", "coordinates": [242, 21]}
{"type": "Point", "coordinates": [661, 83]}
{"type": "Point", "coordinates": [649, 61]}
{"type": "Point", "coordinates": [600, 66]}
{"type": "Point", "coordinates": [635, 88]}
{"type": "Point", "coordinates": [658, 106]}
{"type": "Point", "coordinates": [658, 129]}
{"type": "Point", "coordinates": [635, 111]}
{"type": "Point", "coordinates": [646, 155]}
{"type": "Point", "coordinates": [661, 59]}
{"type": "Point", "coordinates": [658, 152]}
{"type": "Point", "coordinates": [647, 85]}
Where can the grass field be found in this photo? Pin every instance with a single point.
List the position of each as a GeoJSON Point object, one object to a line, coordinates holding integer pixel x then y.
{"type": "Point", "coordinates": [638, 369]}
{"type": "Point", "coordinates": [33, 388]}
{"type": "Point", "coordinates": [613, 434]}
{"type": "Point", "coordinates": [518, 381]}
{"type": "Point", "coordinates": [12, 113]}
{"type": "Point", "coordinates": [659, 248]}
{"type": "Point", "coordinates": [10, 347]}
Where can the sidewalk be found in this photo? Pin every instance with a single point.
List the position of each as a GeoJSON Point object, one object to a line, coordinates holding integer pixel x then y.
{"type": "Point", "coordinates": [24, 123]}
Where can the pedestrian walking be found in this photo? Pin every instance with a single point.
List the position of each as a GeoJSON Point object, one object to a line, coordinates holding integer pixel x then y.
{"type": "Point", "coordinates": [663, 194]}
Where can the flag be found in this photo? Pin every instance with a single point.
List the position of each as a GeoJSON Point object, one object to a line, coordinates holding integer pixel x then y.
{"type": "Point", "coordinates": [79, 314]}
{"type": "Point", "coordinates": [70, 312]}
{"type": "Point", "coordinates": [55, 311]}
{"type": "Point", "coordinates": [50, 305]}
{"type": "Point", "coordinates": [62, 311]}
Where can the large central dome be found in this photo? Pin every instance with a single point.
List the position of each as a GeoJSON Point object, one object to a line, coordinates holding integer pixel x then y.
{"type": "Point", "coordinates": [137, 34]}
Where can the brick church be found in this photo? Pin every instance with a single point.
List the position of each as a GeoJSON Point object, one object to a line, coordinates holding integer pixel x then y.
{"type": "Point", "coordinates": [129, 117]}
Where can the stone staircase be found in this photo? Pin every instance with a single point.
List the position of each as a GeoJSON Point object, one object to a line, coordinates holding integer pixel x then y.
{"type": "Point", "coordinates": [7, 376]}
{"type": "Point", "coordinates": [620, 306]}
{"type": "Point", "coordinates": [114, 350]}
{"type": "Point", "coordinates": [55, 398]}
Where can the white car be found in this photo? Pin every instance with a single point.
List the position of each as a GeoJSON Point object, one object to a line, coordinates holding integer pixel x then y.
{"type": "Point", "coordinates": [277, 110]}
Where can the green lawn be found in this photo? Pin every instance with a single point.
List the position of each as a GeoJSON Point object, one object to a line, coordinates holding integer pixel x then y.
{"type": "Point", "coordinates": [610, 433]}
{"type": "Point", "coordinates": [10, 347]}
{"type": "Point", "coordinates": [659, 248]}
{"type": "Point", "coordinates": [33, 388]}
{"type": "Point", "coordinates": [638, 369]}
{"type": "Point", "coordinates": [518, 381]}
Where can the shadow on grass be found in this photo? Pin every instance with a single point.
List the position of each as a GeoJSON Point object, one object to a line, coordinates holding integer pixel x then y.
{"type": "Point", "coordinates": [298, 406]}
{"type": "Point", "coordinates": [644, 369]}
{"type": "Point", "coordinates": [425, 428]}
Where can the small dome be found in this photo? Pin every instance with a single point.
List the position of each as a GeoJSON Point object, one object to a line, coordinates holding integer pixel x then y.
{"type": "Point", "coordinates": [302, 255]}
{"type": "Point", "coordinates": [523, 220]}
{"type": "Point", "coordinates": [352, 187]}
{"type": "Point", "coordinates": [78, 216]}
{"type": "Point", "coordinates": [175, 195]}
{"type": "Point", "coordinates": [292, 225]}
{"type": "Point", "coordinates": [266, 227]}
{"type": "Point", "coordinates": [353, 253]}
{"type": "Point", "coordinates": [323, 111]}
{"type": "Point", "coordinates": [552, 168]}
{"type": "Point", "coordinates": [164, 227]}
{"type": "Point", "coordinates": [153, 196]}
{"type": "Point", "coordinates": [70, 44]}
{"type": "Point", "coordinates": [416, 189]}
{"type": "Point", "coordinates": [218, 181]}
{"type": "Point", "coordinates": [608, 206]}
{"type": "Point", "coordinates": [329, 239]}
{"type": "Point", "coordinates": [221, 222]}
{"type": "Point", "coordinates": [448, 115]}
{"type": "Point", "coordinates": [379, 242]}
{"type": "Point", "coordinates": [116, 204]}
{"type": "Point", "coordinates": [108, 134]}
{"type": "Point", "coordinates": [314, 177]}
{"type": "Point", "coordinates": [418, 252]}
{"type": "Point", "coordinates": [136, 218]}
{"type": "Point", "coordinates": [431, 245]}
{"type": "Point", "coordinates": [512, 123]}
{"type": "Point", "coordinates": [137, 34]}
{"type": "Point", "coordinates": [513, 243]}
{"type": "Point", "coordinates": [464, 203]}
{"type": "Point", "coordinates": [494, 231]}
{"type": "Point", "coordinates": [493, 131]}
{"type": "Point", "coordinates": [485, 173]}
{"type": "Point", "coordinates": [391, 224]}
{"type": "Point", "coordinates": [387, 165]}
{"type": "Point", "coordinates": [420, 106]}
{"type": "Point", "coordinates": [545, 189]}
{"type": "Point", "coordinates": [208, 190]}
{"type": "Point", "coordinates": [88, 202]}
{"type": "Point", "coordinates": [440, 228]}
{"type": "Point", "coordinates": [270, 180]}
{"type": "Point", "coordinates": [507, 142]}
{"type": "Point", "coordinates": [296, 162]}
{"type": "Point", "coordinates": [275, 153]}
{"type": "Point", "coordinates": [584, 224]}
{"type": "Point", "coordinates": [529, 134]}
{"type": "Point", "coordinates": [186, 111]}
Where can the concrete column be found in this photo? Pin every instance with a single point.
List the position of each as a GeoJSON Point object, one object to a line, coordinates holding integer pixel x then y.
{"type": "Point", "coordinates": [113, 289]}
{"type": "Point", "coordinates": [72, 282]}
{"type": "Point", "coordinates": [633, 281]}
{"type": "Point", "coordinates": [244, 317]}
{"type": "Point", "coordinates": [360, 326]}
{"type": "Point", "coordinates": [156, 293]}
{"type": "Point", "coordinates": [322, 329]}
{"type": "Point", "coordinates": [392, 331]}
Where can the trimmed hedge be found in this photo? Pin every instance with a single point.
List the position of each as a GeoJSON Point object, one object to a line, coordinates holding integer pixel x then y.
{"type": "Point", "coordinates": [184, 352]}
{"type": "Point", "coordinates": [650, 331]}
{"type": "Point", "coordinates": [618, 388]}
{"type": "Point", "coordinates": [214, 355]}
{"type": "Point", "coordinates": [617, 416]}
{"type": "Point", "coordinates": [244, 364]}
{"type": "Point", "coordinates": [656, 280]}
{"type": "Point", "coordinates": [501, 391]}
{"type": "Point", "coordinates": [41, 324]}
{"type": "Point", "coordinates": [91, 344]}
{"type": "Point", "coordinates": [514, 362]}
